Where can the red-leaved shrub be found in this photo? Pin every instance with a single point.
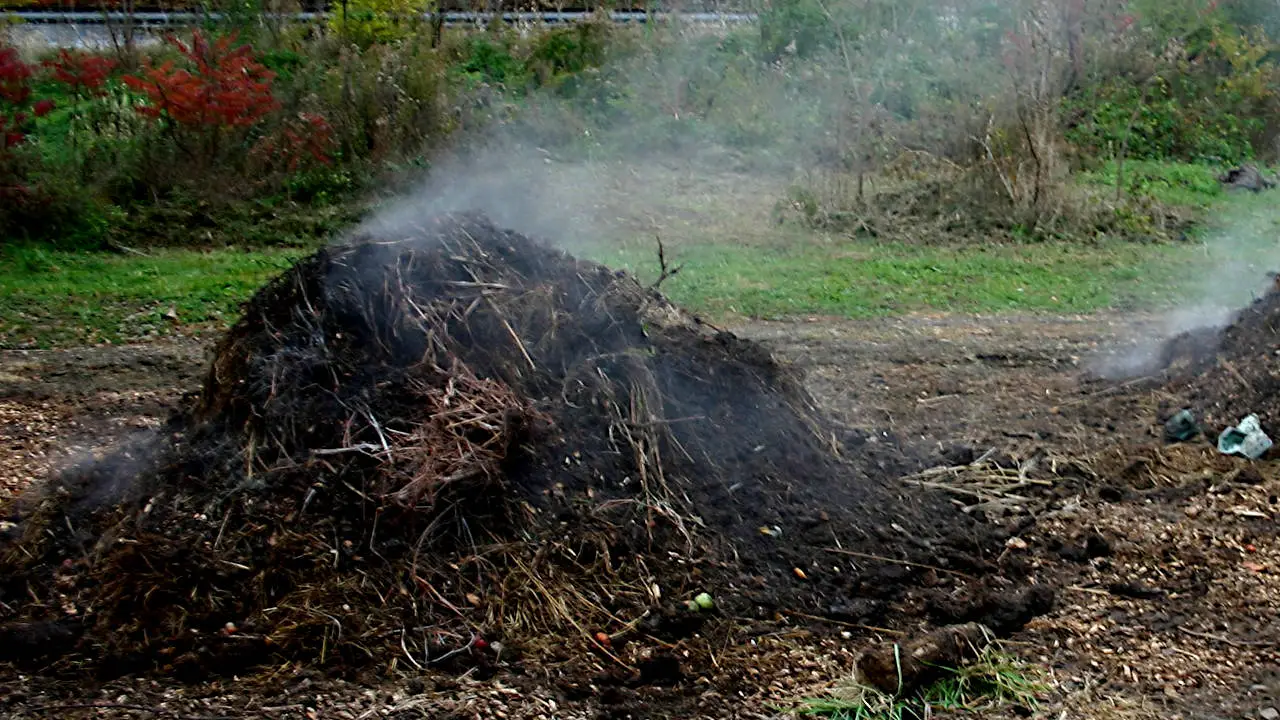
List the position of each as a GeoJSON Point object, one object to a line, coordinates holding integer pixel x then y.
{"type": "Point", "coordinates": [300, 141]}
{"type": "Point", "coordinates": [16, 107]}
{"type": "Point", "coordinates": [16, 110]}
{"type": "Point", "coordinates": [15, 77]}
{"type": "Point", "coordinates": [85, 74]}
{"type": "Point", "coordinates": [225, 87]}
{"type": "Point", "coordinates": [211, 105]}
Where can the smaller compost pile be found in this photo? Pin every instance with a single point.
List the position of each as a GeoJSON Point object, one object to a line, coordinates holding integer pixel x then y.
{"type": "Point", "coordinates": [1225, 374]}
{"type": "Point", "coordinates": [409, 449]}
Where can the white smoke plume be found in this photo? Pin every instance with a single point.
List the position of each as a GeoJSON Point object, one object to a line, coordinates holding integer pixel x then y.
{"type": "Point", "coordinates": [1234, 266]}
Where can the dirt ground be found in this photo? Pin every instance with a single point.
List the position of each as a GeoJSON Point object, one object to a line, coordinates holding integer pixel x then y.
{"type": "Point", "coordinates": [57, 406]}
{"type": "Point", "coordinates": [1173, 613]}
{"type": "Point", "coordinates": [1169, 574]}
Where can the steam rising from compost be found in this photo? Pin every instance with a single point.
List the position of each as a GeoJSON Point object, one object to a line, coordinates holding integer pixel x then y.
{"type": "Point", "coordinates": [590, 172]}
{"type": "Point", "coordinates": [520, 187]}
{"type": "Point", "coordinates": [1237, 266]}
{"type": "Point", "coordinates": [838, 90]}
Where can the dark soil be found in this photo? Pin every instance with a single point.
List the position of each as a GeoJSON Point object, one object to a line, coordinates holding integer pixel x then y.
{"type": "Point", "coordinates": [911, 666]}
{"type": "Point", "coordinates": [461, 449]}
{"type": "Point", "coordinates": [1165, 557]}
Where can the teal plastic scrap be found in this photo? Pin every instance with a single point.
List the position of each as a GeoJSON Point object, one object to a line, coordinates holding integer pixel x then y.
{"type": "Point", "coordinates": [1245, 439]}
{"type": "Point", "coordinates": [1181, 427]}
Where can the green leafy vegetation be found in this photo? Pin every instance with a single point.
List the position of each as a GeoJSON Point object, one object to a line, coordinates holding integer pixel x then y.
{"type": "Point", "coordinates": [1171, 183]}
{"type": "Point", "coordinates": [1007, 101]}
{"type": "Point", "coordinates": [1207, 99]}
{"type": "Point", "coordinates": [365, 23]}
{"type": "Point", "coordinates": [103, 149]}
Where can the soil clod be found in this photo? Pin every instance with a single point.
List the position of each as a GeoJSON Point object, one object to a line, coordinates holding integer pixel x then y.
{"type": "Point", "coordinates": [1002, 611]}
{"type": "Point", "coordinates": [1246, 177]}
{"type": "Point", "coordinates": [900, 669]}
{"type": "Point", "coordinates": [1135, 590]}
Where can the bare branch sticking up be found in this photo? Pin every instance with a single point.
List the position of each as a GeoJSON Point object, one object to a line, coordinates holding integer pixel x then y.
{"type": "Point", "coordinates": [664, 271]}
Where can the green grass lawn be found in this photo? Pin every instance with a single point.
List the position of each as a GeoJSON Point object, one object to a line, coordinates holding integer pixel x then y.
{"type": "Point", "coordinates": [1223, 260]}
{"type": "Point", "coordinates": [63, 298]}
{"type": "Point", "coordinates": [51, 298]}
{"type": "Point", "coordinates": [861, 280]}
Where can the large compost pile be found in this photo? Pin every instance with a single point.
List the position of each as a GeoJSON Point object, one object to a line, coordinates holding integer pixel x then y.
{"type": "Point", "coordinates": [410, 449]}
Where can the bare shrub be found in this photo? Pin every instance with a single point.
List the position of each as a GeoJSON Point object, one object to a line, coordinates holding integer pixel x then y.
{"type": "Point", "coordinates": [951, 117]}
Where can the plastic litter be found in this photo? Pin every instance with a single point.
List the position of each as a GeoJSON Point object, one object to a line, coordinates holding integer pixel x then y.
{"type": "Point", "coordinates": [1245, 439]}
{"type": "Point", "coordinates": [1181, 427]}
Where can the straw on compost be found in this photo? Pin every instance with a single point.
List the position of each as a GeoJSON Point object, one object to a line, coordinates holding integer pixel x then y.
{"type": "Point", "coordinates": [420, 452]}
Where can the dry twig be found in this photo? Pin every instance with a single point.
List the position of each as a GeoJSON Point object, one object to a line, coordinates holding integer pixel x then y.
{"type": "Point", "coordinates": [665, 271]}
{"type": "Point", "coordinates": [882, 558]}
{"type": "Point", "coordinates": [1231, 642]}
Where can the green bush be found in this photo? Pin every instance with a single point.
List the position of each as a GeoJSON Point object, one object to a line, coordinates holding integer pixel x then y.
{"type": "Point", "coordinates": [366, 23]}
{"type": "Point", "coordinates": [1211, 96]}
{"type": "Point", "coordinates": [798, 26]}
{"type": "Point", "coordinates": [320, 186]}
{"type": "Point", "coordinates": [1167, 182]}
{"type": "Point", "coordinates": [58, 212]}
{"type": "Point", "coordinates": [487, 58]}
{"type": "Point", "coordinates": [284, 62]}
{"type": "Point", "coordinates": [386, 101]}
{"type": "Point", "coordinates": [1116, 115]}
{"type": "Point", "coordinates": [561, 53]}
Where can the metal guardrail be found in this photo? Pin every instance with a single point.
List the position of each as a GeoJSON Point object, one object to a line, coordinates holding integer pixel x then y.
{"type": "Point", "coordinates": [46, 17]}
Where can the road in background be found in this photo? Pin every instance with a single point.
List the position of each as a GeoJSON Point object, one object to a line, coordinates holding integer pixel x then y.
{"type": "Point", "coordinates": [94, 29]}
